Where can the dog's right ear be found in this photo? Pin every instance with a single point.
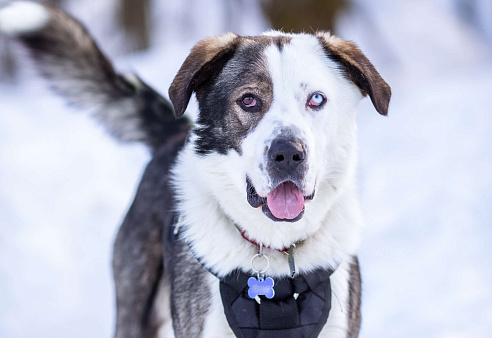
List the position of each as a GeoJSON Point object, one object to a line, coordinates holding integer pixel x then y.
{"type": "Point", "coordinates": [206, 59]}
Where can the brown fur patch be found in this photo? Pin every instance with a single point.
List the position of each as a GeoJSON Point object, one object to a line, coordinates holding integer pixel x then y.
{"type": "Point", "coordinates": [358, 69]}
{"type": "Point", "coordinates": [209, 56]}
{"type": "Point", "coordinates": [204, 56]}
{"type": "Point", "coordinates": [221, 71]}
{"type": "Point", "coordinates": [223, 122]}
{"type": "Point", "coordinates": [258, 83]}
{"type": "Point", "coordinates": [280, 40]}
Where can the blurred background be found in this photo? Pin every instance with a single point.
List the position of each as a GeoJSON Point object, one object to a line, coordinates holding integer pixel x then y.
{"type": "Point", "coordinates": [424, 172]}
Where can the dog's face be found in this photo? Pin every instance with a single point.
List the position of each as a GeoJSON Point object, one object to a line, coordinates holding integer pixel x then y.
{"type": "Point", "coordinates": [276, 127]}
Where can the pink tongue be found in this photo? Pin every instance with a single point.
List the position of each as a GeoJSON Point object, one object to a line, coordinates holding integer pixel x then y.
{"type": "Point", "coordinates": [286, 201]}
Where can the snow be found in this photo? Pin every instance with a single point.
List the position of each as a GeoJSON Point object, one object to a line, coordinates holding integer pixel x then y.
{"type": "Point", "coordinates": [424, 177]}
{"type": "Point", "coordinates": [426, 198]}
{"type": "Point", "coordinates": [63, 193]}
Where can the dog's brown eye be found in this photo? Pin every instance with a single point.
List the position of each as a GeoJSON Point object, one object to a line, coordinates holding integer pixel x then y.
{"type": "Point", "coordinates": [316, 100]}
{"type": "Point", "coordinates": [248, 101]}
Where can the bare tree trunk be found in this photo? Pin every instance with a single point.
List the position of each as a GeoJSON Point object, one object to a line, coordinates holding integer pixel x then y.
{"type": "Point", "coordinates": [7, 60]}
{"type": "Point", "coordinates": [133, 17]}
{"type": "Point", "coordinates": [303, 15]}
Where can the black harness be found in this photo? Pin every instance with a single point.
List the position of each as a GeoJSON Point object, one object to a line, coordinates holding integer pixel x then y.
{"type": "Point", "coordinates": [299, 308]}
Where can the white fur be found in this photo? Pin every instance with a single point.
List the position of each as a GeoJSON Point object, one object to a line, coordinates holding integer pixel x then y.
{"type": "Point", "coordinates": [212, 189]}
{"type": "Point", "coordinates": [162, 306]}
{"type": "Point", "coordinates": [216, 325]}
{"type": "Point", "coordinates": [22, 17]}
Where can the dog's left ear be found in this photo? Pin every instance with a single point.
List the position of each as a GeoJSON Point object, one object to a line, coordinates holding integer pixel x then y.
{"type": "Point", "coordinates": [206, 59]}
{"type": "Point", "coordinates": [358, 69]}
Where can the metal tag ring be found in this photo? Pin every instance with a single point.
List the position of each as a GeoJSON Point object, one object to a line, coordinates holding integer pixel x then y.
{"type": "Point", "coordinates": [253, 265]}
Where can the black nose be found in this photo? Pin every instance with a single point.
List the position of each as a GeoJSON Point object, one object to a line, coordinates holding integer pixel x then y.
{"type": "Point", "coordinates": [286, 154]}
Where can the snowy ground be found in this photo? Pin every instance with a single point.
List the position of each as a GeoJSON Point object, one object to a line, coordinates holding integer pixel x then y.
{"type": "Point", "coordinates": [426, 187]}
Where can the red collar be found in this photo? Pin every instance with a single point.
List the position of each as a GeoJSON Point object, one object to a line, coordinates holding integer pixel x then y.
{"type": "Point", "coordinates": [252, 241]}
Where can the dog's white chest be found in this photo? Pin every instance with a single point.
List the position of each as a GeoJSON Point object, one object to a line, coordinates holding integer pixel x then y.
{"type": "Point", "coordinates": [216, 323]}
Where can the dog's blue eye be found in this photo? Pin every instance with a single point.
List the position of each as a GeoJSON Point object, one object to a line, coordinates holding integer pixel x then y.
{"type": "Point", "coordinates": [316, 100]}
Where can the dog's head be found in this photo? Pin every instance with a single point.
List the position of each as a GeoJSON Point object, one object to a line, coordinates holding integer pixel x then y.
{"type": "Point", "coordinates": [277, 115]}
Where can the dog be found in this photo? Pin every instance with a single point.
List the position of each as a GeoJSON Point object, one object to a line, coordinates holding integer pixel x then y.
{"type": "Point", "coordinates": [256, 199]}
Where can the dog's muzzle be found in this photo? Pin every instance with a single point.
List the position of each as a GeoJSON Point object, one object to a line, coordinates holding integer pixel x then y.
{"type": "Point", "coordinates": [286, 166]}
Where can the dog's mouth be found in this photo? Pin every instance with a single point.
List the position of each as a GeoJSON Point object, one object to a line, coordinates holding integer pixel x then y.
{"type": "Point", "coordinates": [285, 203]}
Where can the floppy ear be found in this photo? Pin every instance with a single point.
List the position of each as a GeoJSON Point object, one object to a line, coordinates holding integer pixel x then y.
{"type": "Point", "coordinates": [206, 59]}
{"type": "Point", "coordinates": [358, 69]}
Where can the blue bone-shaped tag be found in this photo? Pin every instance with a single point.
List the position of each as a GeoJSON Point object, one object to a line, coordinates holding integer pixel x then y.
{"type": "Point", "coordinates": [261, 288]}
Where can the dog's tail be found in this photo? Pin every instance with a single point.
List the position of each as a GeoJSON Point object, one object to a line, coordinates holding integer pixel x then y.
{"type": "Point", "coordinates": [68, 57]}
